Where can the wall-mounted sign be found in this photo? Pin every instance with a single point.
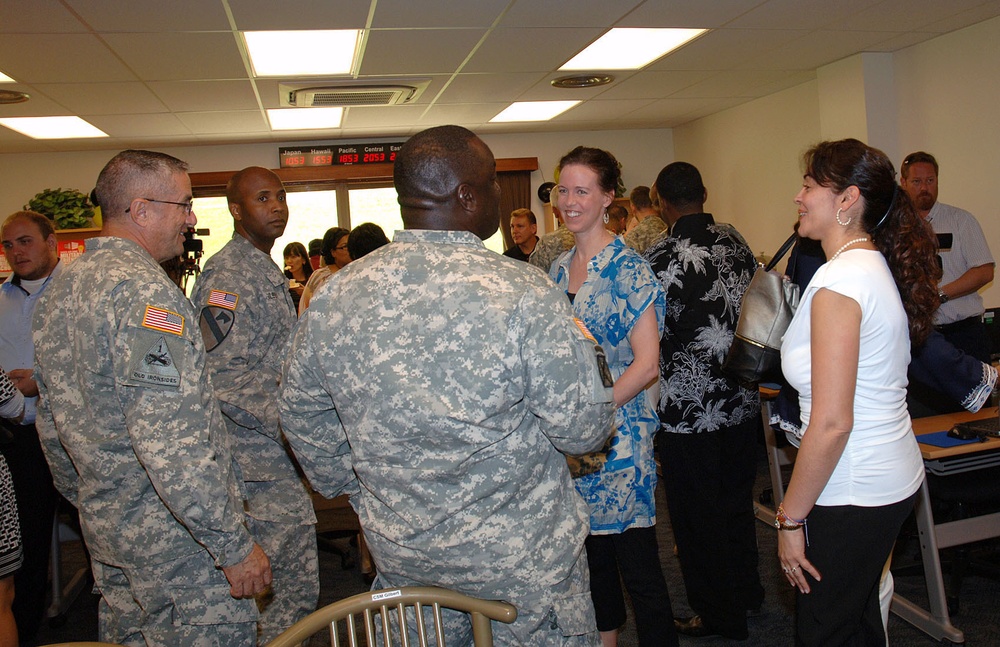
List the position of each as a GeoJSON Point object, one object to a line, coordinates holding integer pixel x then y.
{"type": "Point", "coordinates": [339, 155]}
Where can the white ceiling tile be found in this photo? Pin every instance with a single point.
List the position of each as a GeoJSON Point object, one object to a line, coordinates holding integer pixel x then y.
{"type": "Point", "coordinates": [903, 15]}
{"type": "Point", "coordinates": [721, 49]}
{"type": "Point", "coordinates": [732, 84]}
{"type": "Point", "coordinates": [37, 16]}
{"type": "Point", "coordinates": [667, 108]}
{"type": "Point", "coordinates": [543, 90]}
{"type": "Point", "coordinates": [382, 116]}
{"type": "Point", "coordinates": [464, 113]}
{"type": "Point", "coordinates": [477, 88]}
{"type": "Point", "coordinates": [123, 65]}
{"type": "Point", "coordinates": [655, 84]}
{"type": "Point", "coordinates": [104, 98]}
{"type": "Point", "coordinates": [529, 50]}
{"type": "Point", "coordinates": [38, 105]}
{"type": "Point", "coordinates": [604, 111]}
{"type": "Point", "coordinates": [705, 15]}
{"type": "Point", "coordinates": [152, 15]}
{"type": "Point", "coordinates": [268, 15]}
{"type": "Point", "coordinates": [180, 55]}
{"type": "Point", "coordinates": [815, 50]}
{"type": "Point", "coordinates": [60, 58]}
{"type": "Point", "coordinates": [245, 121]}
{"type": "Point", "coordinates": [436, 14]}
{"type": "Point", "coordinates": [140, 125]}
{"type": "Point", "coordinates": [390, 52]}
{"type": "Point", "coordinates": [799, 14]}
{"type": "Point", "coordinates": [196, 96]}
{"type": "Point", "coordinates": [599, 14]}
{"type": "Point", "coordinates": [964, 19]}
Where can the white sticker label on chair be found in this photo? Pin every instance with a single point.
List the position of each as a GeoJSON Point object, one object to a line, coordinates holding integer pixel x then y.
{"type": "Point", "coordinates": [385, 595]}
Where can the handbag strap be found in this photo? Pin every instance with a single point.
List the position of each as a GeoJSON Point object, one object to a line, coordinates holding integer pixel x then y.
{"type": "Point", "coordinates": [787, 245]}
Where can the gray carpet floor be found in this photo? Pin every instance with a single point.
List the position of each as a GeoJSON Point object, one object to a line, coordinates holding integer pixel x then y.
{"type": "Point", "coordinates": [978, 617]}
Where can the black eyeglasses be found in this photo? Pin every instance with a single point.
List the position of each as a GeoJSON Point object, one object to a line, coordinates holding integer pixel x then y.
{"type": "Point", "coordinates": [188, 206]}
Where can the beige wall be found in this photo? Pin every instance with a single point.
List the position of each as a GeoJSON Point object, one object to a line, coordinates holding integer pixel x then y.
{"type": "Point", "coordinates": [941, 96]}
{"type": "Point", "coordinates": [949, 98]}
{"type": "Point", "coordinates": [749, 160]}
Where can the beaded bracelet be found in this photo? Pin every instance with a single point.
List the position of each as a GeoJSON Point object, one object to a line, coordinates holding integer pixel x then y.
{"type": "Point", "coordinates": [783, 522]}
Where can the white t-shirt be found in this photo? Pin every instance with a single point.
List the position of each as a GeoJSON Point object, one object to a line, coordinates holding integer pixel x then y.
{"type": "Point", "coordinates": [881, 463]}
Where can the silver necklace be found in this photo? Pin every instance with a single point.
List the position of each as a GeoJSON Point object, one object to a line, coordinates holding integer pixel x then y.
{"type": "Point", "coordinates": [846, 245]}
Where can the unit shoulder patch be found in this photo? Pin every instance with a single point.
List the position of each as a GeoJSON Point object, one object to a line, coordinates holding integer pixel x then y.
{"type": "Point", "coordinates": [156, 366]}
{"type": "Point", "coordinates": [215, 322]}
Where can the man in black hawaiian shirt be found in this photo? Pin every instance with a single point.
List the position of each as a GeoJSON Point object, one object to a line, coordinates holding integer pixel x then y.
{"type": "Point", "coordinates": [709, 420]}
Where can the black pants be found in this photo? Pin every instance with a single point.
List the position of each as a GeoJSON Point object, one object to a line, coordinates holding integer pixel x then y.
{"type": "Point", "coordinates": [709, 484]}
{"type": "Point", "coordinates": [36, 501]}
{"type": "Point", "coordinates": [849, 546]}
{"type": "Point", "coordinates": [635, 554]}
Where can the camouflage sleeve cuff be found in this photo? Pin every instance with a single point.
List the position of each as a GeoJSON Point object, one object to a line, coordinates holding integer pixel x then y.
{"type": "Point", "coordinates": [235, 550]}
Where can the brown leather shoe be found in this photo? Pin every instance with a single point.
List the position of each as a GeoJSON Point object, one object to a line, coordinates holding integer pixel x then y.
{"type": "Point", "coordinates": [693, 627]}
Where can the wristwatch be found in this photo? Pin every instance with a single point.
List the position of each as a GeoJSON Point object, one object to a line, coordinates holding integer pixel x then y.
{"type": "Point", "coordinates": [942, 296]}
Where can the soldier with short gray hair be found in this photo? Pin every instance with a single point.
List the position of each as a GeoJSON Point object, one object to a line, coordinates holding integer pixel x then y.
{"type": "Point", "coordinates": [131, 428]}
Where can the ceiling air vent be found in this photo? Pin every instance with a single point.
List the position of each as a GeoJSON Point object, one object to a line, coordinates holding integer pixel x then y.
{"type": "Point", "coordinates": [316, 95]}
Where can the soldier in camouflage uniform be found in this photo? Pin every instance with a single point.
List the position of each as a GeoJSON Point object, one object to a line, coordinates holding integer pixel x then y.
{"type": "Point", "coordinates": [437, 383]}
{"type": "Point", "coordinates": [650, 227]}
{"type": "Point", "coordinates": [551, 245]}
{"type": "Point", "coordinates": [131, 428]}
{"type": "Point", "coordinates": [246, 321]}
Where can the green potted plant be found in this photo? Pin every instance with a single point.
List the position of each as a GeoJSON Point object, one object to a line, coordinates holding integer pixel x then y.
{"type": "Point", "coordinates": [68, 208]}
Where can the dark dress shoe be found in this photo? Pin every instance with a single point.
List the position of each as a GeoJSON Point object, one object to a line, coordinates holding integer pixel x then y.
{"type": "Point", "coordinates": [693, 627]}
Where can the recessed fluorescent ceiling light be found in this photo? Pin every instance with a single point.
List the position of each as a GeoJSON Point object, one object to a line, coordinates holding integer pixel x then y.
{"type": "Point", "coordinates": [302, 53]}
{"type": "Point", "coordinates": [305, 118]}
{"type": "Point", "coordinates": [630, 48]}
{"type": "Point", "coordinates": [52, 127]}
{"type": "Point", "coordinates": [6, 79]}
{"type": "Point", "coordinates": [533, 110]}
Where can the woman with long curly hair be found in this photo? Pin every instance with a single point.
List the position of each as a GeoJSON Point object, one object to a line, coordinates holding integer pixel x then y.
{"type": "Point", "coordinates": [846, 351]}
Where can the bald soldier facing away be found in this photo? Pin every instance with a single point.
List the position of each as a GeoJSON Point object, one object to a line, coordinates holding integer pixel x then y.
{"type": "Point", "coordinates": [246, 320]}
{"type": "Point", "coordinates": [437, 383]}
{"type": "Point", "coordinates": [131, 428]}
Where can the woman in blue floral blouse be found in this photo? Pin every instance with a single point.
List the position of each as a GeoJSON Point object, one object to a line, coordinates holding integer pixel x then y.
{"type": "Point", "coordinates": [614, 292]}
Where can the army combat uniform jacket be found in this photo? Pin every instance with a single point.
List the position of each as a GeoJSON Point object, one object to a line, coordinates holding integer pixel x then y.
{"type": "Point", "coordinates": [131, 428]}
{"type": "Point", "coordinates": [246, 317]}
{"type": "Point", "coordinates": [438, 382]}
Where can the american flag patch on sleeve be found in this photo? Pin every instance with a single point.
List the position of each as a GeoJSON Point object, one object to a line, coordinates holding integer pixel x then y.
{"type": "Point", "coordinates": [163, 320]}
{"type": "Point", "coordinates": [222, 299]}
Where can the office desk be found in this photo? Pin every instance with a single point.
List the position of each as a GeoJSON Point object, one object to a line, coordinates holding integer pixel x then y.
{"type": "Point", "coordinates": [933, 537]}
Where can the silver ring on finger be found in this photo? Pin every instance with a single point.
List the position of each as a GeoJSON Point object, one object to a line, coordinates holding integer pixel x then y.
{"type": "Point", "coordinates": [794, 568]}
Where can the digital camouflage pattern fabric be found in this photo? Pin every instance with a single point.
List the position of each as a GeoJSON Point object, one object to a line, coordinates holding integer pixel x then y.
{"type": "Point", "coordinates": [246, 318]}
{"type": "Point", "coordinates": [438, 383]}
{"type": "Point", "coordinates": [134, 436]}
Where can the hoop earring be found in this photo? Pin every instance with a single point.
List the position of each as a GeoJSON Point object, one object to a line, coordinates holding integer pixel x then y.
{"type": "Point", "coordinates": [606, 217]}
{"type": "Point", "coordinates": [841, 222]}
